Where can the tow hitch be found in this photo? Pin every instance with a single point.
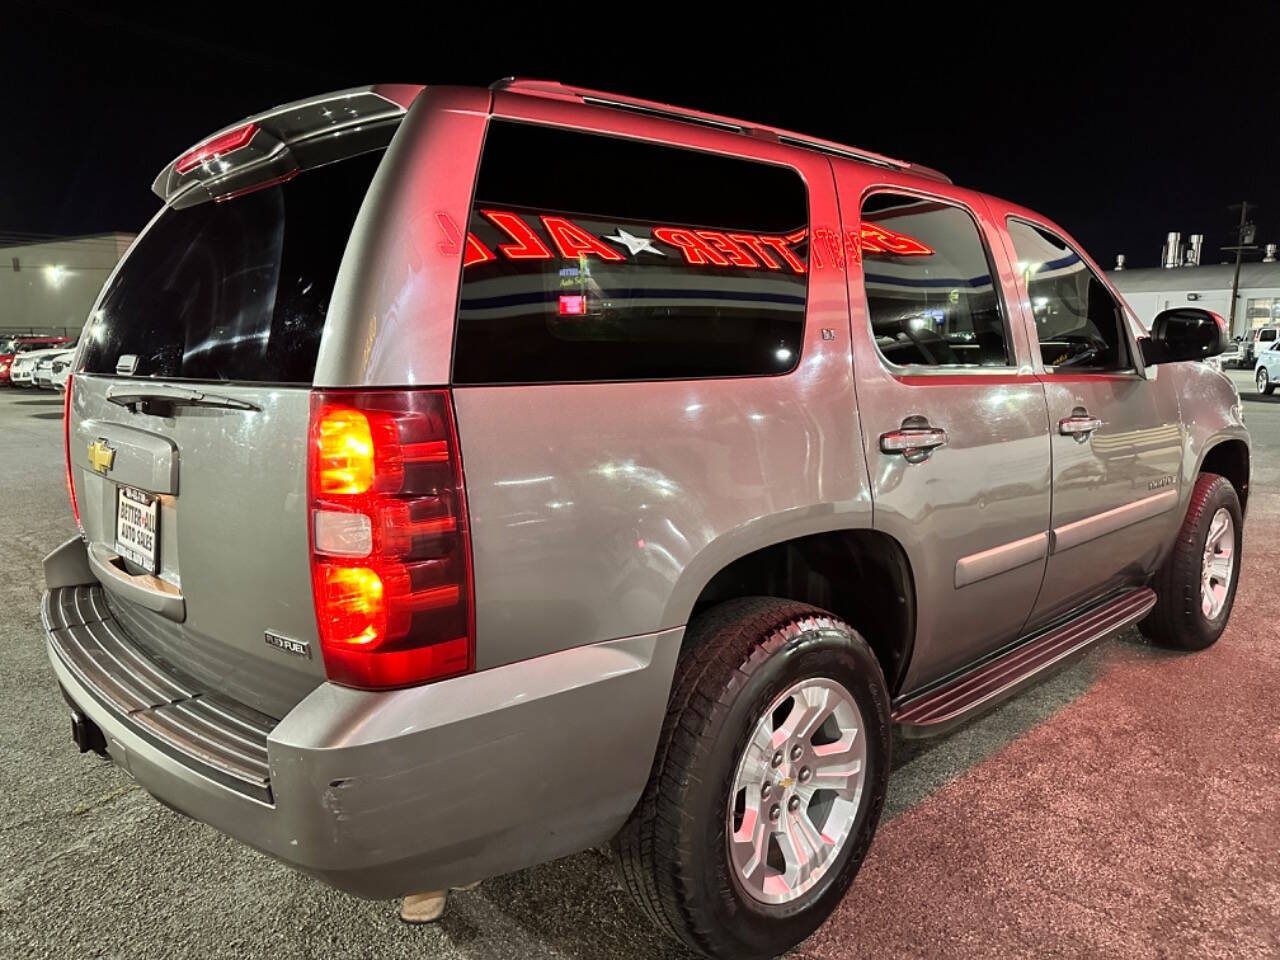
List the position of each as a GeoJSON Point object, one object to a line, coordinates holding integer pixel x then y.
{"type": "Point", "coordinates": [87, 734]}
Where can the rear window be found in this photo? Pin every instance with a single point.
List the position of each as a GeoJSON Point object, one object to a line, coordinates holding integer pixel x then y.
{"type": "Point", "coordinates": [235, 290]}
{"type": "Point", "coordinates": [597, 258]}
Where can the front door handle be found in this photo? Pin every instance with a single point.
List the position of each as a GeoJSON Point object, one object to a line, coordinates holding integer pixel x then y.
{"type": "Point", "coordinates": [916, 439]}
{"type": "Point", "coordinates": [1079, 425]}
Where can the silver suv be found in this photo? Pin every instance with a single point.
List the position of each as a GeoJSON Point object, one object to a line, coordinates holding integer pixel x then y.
{"type": "Point", "coordinates": [469, 477]}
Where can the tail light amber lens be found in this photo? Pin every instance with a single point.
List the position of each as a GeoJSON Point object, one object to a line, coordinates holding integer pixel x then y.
{"type": "Point", "coordinates": [391, 551]}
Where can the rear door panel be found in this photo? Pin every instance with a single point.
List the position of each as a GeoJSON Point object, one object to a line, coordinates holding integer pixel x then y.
{"type": "Point", "coordinates": [973, 517]}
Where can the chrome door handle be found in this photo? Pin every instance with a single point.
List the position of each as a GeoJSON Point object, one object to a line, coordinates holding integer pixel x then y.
{"type": "Point", "coordinates": [915, 440]}
{"type": "Point", "coordinates": [1079, 425]}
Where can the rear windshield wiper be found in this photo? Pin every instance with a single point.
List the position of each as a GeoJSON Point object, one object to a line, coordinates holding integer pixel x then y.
{"type": "Point", "coordinates": [161, 401]}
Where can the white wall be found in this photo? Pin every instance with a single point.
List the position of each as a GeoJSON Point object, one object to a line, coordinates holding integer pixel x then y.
{"type": "Point", "coordinates": [55, 283]}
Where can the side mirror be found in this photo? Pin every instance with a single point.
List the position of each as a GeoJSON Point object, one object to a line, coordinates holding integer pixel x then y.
{"type": "Point", "coordinates": [1184, 333]}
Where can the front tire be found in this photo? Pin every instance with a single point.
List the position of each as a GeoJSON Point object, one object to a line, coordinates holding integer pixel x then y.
{"type": "Point", "coordinates": [1196, 585]}
{"type": "Point", "coordinates": [768, 781]}
{"type": "Point", "coordinates": [1263, 379]}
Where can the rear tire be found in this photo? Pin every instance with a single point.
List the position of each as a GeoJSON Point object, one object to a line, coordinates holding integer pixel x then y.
{"type": "Point", "coordinates": [1263, 379]}
{"type": "Point", "coordinates": [1190, 612]}
{"type": "Point", "coordinates": [749, 663]}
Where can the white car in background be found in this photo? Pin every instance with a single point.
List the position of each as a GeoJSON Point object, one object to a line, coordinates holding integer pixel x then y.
{"type": "Point", "coordinates": [1266, 369]}
{"type": "Point", "coordinates": [1232, 356]}
{"type": "Point", "coordinates": [62, 369]}
{"type": "Point", "coordinates": [44, 376]}
{"type": "Point", "coordinates": [23, 371]}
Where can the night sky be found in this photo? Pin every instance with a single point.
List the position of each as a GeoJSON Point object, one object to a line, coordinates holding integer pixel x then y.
{"type": "Point", "coordinates": [1120, 126]}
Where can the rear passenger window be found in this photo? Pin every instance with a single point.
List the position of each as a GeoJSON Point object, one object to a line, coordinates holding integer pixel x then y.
{"type": "Point", "coordinates": [929, 282]}
{"type": "Point", "coordinates": [598, 258]}
{"type": "Point", "coordinates": [1078, 322]}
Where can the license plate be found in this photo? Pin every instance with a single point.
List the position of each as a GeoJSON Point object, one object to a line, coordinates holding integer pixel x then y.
{"type": "Point", "coordinates": [138, 528]}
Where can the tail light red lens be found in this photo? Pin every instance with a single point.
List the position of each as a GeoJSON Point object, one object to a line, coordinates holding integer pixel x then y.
{"type": "Point", "coordinates": [390, 546]}
{"type": "Point", "coordinates": [66, 448]}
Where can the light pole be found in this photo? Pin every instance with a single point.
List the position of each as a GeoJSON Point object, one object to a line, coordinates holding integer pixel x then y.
{"type": "Point", "coordinates": [1244, 241]}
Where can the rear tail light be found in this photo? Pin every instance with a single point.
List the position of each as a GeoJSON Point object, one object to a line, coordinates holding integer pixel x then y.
{"type": "Point", "coordinates": [66, 449]}
{"type": "Point", "coordinates": [390, 548]}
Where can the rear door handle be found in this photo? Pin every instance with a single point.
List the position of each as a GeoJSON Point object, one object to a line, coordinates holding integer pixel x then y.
{"type": "Point", "coordinates": [915, 439]}
{"type": "Point", "coordinates": [1079, 425]}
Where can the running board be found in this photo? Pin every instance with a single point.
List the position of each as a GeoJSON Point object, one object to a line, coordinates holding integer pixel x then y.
{"type": "Point", "coordinates": [958, 699]}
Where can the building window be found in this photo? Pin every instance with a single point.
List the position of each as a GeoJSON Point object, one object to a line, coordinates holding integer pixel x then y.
{"type": "Point", "coordinates": [1262, 312]}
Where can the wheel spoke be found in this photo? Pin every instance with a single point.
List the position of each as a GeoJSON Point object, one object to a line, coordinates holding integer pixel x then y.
{"type": "Point", "coordinates": [751, 839]}
{"type": "Point", "coordinates": [798, 851]}
{"type": "Point", "coordinates": [1216, 529]}
{"type": "Point", "coordinates": [1220, 567]}
{"type": "Point", "coordinates": [755, 762]}
{"type": "Point", "coordinates": [835, 773]}
{"type": "Point", "coordinates": [811, 708]}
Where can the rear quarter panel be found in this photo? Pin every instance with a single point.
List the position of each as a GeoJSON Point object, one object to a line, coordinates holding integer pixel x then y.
{"type": "Point", "coordinates": [391, 317]}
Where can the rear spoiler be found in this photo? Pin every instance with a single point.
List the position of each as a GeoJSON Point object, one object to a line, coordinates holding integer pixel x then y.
{"type": "Point", "coordinates": [274, 145]}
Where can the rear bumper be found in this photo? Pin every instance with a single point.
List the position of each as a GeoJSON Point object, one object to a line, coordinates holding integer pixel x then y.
{"type": "Point", "coordinates": [383, 794]}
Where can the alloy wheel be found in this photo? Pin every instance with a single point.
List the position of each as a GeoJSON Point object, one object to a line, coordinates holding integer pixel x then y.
{"type": "Point", "coordinates": [797, 789]}
{"type": "Point", "coordinates": [1218, 565]}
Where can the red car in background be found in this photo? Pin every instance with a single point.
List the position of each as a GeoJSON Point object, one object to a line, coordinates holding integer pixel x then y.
{"type": "Point", "coordinates": [11, 346]}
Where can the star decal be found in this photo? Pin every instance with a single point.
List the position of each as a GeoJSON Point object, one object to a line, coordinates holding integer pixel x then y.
{"type": "Point", "coordinates": [635, 244]}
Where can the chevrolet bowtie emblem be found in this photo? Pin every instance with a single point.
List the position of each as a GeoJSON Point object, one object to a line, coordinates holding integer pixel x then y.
{"type": "Point", "coordinates": [102, 456]}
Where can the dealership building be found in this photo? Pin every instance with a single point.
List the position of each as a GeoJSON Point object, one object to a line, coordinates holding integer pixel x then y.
{"type": "Point", "coordinates": [1182, 281]}
{"type": "Point", "coordinates": [49, 287]}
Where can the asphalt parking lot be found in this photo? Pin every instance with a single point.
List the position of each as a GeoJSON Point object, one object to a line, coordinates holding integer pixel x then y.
{"type": "Point", "coordinates": [1128, 807]}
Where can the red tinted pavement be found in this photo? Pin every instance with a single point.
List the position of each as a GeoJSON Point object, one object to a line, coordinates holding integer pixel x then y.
{"type": "Point", "coordinates": [1141, 820]}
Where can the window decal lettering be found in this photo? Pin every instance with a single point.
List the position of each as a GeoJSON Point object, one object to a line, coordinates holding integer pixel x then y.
{"type": "Point", "coordinates": [573, 242]}
{"type": "Point", "coordinates": [877, 239]}
{"type": "Point", "coordinates": [477, 252]}
{"type": "Point", "coordinates": [528, 245]}
{"type": "Point", "coordinates": [714, 248]}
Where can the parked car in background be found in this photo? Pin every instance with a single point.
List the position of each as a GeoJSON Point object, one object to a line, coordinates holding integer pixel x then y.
{"type": "Point", "coordinates": [11, 347]}
{"type": "Point", "coordinates": [1230, 357]}
{"type": "Point", "coordinates": [1266, 369]}
{"type": "Point", "coordinates": [23, 371]}
{"type": "Point", "coordinates": [772, 446]}
{"type": "Point", "coordinates": [1257, 341]}
{"type": "Point", "coordinates": [62, 370]}
{"type": "Point", "coordinates": [44, 367]}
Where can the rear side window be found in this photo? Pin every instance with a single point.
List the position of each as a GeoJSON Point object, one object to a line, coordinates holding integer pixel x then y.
{"type": "Point", "coordinates": [930, 287]}
{"type": "Point", "coordinates": [596, 258]}
{"type": "Point", "coordinates": [235, 290]}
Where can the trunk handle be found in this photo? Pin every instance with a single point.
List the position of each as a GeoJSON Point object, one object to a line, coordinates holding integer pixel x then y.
{"type": "Point", "coordinates": [146, 591]}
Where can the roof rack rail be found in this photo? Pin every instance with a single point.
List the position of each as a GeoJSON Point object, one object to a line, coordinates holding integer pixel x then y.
{"type": "Point", "coordinates": [558, 91]}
